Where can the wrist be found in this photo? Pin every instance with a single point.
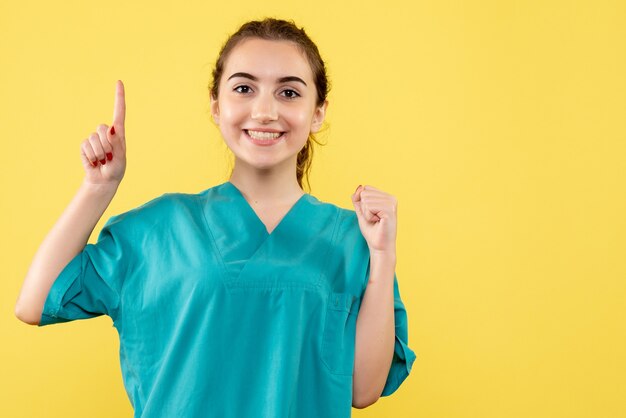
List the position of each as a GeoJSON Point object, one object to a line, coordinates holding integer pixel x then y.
{"type": "Point", "coordinates": [99, 189]}
{"type": "Point", "coordinates": [387, 256]}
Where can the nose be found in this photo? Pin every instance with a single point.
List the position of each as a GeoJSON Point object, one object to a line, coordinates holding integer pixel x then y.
{"type": "Point", "coordinates": [264, 108]}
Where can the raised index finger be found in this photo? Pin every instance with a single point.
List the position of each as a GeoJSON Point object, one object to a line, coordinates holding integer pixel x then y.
{"type": "Point", "coordinates": [119, 110]}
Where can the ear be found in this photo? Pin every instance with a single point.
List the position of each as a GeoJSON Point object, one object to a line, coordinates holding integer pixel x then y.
{"type": "Point", "coordinates": [318, 116]}
{"type": "Point", "coordinates": [215, 111]}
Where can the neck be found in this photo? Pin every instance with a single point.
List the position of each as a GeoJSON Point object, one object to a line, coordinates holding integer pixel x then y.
{"type": "Point", "coordinates": [276, 185]}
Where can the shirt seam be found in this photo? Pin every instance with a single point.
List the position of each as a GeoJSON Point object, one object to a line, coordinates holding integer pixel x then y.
{"type": "Point", "coordinates": [215, 246]}
{"type": "Point", "coordinates": [118, 316]}
{"type": "Point", "coordinates": [324, 272]}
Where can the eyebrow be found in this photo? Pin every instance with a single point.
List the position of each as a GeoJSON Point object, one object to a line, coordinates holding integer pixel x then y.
{"type": "Point", "coordinates": [280, 80]}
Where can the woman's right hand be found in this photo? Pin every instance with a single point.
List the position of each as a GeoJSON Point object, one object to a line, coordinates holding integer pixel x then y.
{"type": "Point", "coordinates": [103, 154]}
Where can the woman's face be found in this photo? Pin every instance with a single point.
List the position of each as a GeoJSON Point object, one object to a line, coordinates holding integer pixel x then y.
{"type": "Point", "coordinates": [267, 103]}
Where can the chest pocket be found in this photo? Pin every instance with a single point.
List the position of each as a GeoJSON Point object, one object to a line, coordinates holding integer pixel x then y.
{"type": "Point", "coordinates": [338, 339]}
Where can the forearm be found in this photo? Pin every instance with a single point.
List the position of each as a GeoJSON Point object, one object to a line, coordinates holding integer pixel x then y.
{"type": "Point", "coordinates": [68, 237]}
{"type": "Point", "coordinates": [375, 332]}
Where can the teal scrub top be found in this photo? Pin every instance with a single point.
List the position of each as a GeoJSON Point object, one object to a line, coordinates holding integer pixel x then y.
{"type": "Point", "coordinates": [219, 318]}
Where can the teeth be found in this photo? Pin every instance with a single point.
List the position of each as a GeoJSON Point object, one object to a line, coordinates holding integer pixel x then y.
{"type": "Point", "coordinates": [264, 135]}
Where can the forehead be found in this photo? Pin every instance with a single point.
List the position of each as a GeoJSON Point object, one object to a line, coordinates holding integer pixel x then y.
{"type": "Point", "coordinates": [268, 60]}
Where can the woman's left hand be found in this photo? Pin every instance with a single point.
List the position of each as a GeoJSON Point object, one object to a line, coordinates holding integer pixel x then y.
{"type": "Point", "coordinates": [377, 215]}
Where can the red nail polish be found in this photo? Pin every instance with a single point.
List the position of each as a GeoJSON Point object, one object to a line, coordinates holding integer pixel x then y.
{"type": "Point", "coordinates": [109, 156]}
{"type": "Point", "coordinates": [94, 163]}
{"type": "Point", "coordinates": [103, 161]}
{"type": "Point", "coordinates": [112, 130]}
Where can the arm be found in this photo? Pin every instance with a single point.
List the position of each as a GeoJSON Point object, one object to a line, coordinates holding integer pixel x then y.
{"type": "Point", "coordinates": [375, 332]}
{"type": "Point", "coordinates": [375, 328]}
{"type": "Point", "coordinates": [69, 235]}
{"type": "Point", "coordinates": [66, 239]}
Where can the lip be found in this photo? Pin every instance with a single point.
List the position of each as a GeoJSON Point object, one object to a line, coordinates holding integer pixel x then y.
{"type": "Point", "coordinates": [263, 130]}
{"type": "Point", "coordinates": [264, 142]}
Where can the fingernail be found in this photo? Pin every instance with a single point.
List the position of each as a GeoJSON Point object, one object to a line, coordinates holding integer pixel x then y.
{"type": "Point", "coordinates": [109, 156]}
{"type": "Point", "coordinates": [94, 163]}
{"type": "Point", "coordinates": [112, 130]}
{"type": "Point", "coordinates": [357, 188]}
{"type": "Point", "coordinates": [103, 161]}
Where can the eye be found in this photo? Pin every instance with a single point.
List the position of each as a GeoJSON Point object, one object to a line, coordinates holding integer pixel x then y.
{"type": "Point", "coordinates": [241, 87]}
{"type": "Point", "coordinates": [292, 93]}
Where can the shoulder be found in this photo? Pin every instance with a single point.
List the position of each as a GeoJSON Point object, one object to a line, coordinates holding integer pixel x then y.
{"type": "Point", "coordinates": [346, 217]}
{"type": "Point", "coordinates": [347, 230]}
{"type": "Point", "coordinates": [350, 253]}
{"type": "Point", "coordinates": [156, 211]}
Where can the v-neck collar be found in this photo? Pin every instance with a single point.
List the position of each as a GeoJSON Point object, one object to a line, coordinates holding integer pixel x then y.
{"type": "Point", "coordinates": [252, 257]}
{"type": "Point", "coordinates": [252, 213]}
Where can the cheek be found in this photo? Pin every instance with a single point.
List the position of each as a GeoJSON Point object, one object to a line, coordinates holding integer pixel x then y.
{"type": "Point", "coordinates": [298, 118]}
{"type": "Point", "coordinates": [231, 114]}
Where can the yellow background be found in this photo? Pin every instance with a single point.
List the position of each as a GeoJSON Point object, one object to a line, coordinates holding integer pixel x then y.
{"type": "Point", "coordinates": [498, 125]}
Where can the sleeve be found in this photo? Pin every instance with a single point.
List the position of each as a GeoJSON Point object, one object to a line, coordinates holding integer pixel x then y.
{"type": "Point", "coordinates": [403, 356]}
{"type": "Point", "coordinates": [90, 284]}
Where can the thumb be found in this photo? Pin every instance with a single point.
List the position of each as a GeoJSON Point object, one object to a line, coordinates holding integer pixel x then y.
{"type": "Point", "coordinates": [116, 140]}
{"type": "Point", "coordinates": [356, 201]}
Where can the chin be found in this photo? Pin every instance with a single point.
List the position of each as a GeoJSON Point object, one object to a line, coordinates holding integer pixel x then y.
{"type": "Point", "coordinates": [264, 163]}
{"type": "Point", "coordinates": [260, 163]}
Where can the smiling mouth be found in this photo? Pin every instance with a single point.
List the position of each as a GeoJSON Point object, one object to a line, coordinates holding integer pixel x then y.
{"type": "Point", "coordinates": [263, 136]}
{"type": "Point", "coordinates": [264, 139]}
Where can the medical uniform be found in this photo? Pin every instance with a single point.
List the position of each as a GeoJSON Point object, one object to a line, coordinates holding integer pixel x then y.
{"type": "Point", "coordinates": [219, 318]}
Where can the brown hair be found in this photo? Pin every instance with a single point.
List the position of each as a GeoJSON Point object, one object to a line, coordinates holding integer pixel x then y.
{"type": "Point", "coordinates": [280, 30]}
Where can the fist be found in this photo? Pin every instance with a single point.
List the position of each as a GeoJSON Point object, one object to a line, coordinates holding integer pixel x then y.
{"type": "Point", "coordinates": [376, 212]}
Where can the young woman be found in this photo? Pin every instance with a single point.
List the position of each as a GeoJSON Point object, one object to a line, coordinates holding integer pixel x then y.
{"type": "Point", "coordinates": [251, 298]}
